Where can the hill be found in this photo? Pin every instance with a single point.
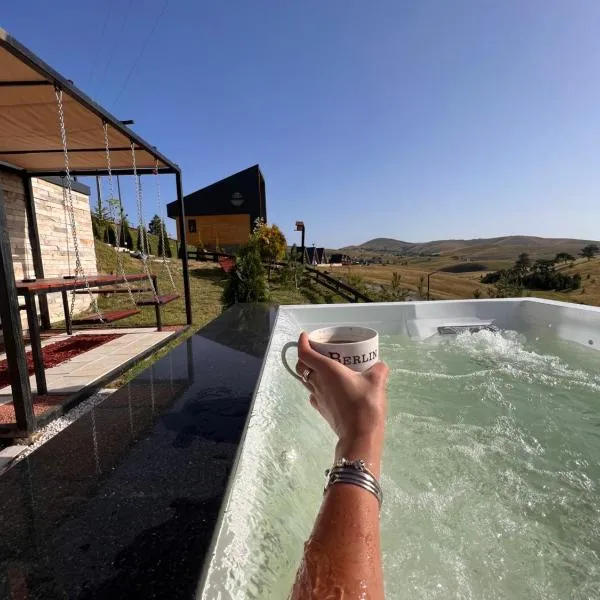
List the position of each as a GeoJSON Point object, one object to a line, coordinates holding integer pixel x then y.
{"type": "Point", "coordinates": [500, 248]}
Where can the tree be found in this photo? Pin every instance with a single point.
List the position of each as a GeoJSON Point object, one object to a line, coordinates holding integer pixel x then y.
{"type": "Point", "coordinates": [126, 239]}
{"type": "Point", "coordinates": [544, 265]}
{"type": "Point", "coordinates": [143, 242]}
{"type": "Point", "coordinates": [100, 211]}
{"type": "Point", "coordinates": [96, 229]}
{"type": "Point", "coordinates": [590, 251]}
{"type": "Point", "coordinates": [110, 237]}
{"type": "Point", "coordinates": [523, 263]}
{"type": "Point", "coordinates": [163, 243]}
{"type": "Point", "coordinates": [270, 242]}
{"type": "Point", "coordinates": [563, 257]}
{"type": "Point", "coordinates": [246, 282]}
{"type": "Point", "coordinates": [155, 225]}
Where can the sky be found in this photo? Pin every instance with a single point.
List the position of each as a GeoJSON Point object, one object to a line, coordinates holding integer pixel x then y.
{"type": "Point", "coordinates": [415, 120]}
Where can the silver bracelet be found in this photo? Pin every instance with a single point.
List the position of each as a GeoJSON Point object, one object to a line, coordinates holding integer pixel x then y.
{"type": "Point", "coordinates": [354, 473]}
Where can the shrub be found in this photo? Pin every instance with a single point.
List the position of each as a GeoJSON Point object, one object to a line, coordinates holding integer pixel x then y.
{"type": "Point", "coordinates": [541, 276]}
{"type": "Point", "coordinates": [246, 282]}
{"type": "Point", "coordinates": [494, 276]}
{"type": "Point", "coordinates": [506, 287]}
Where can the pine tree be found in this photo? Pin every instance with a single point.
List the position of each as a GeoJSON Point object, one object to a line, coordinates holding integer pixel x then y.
{"type": "Point", "coordinates": [167, 246]}
{"type": "Point", "coordinates": [139, 245]}
{"type": "Point", "coordinates": [96, 229]}
{"type": "Point", "coordinates": [110, 237]}
{"type": "Point", "coordinates": [247, 282]}
{"type": "Point", "coordinates": [126, 239]}
{"type": "Point", "coordinates": [155, 225]}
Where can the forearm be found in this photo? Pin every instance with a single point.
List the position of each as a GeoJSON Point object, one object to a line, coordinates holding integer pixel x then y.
{"type": "Point", "coordinates": [342, 557]}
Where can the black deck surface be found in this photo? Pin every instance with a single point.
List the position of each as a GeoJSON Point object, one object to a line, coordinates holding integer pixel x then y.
{"type": "Point", "coordinates": [123, 503]}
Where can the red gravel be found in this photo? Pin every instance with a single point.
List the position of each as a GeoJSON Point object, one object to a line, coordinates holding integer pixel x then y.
{"type": "Point", "coordinates": [40, 405]}
{"type": "Point", "coordinates": [59, 352]}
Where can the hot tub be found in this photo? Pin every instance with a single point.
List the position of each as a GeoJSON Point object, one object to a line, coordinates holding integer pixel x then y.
{"type": "Point", "coordinates": [491, 462]}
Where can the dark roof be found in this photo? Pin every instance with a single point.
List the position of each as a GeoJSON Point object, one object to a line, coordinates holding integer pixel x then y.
{"type": "Point", "coordinates": [220, 197]}
{"type": "Point", "coordinates": [316, 253]}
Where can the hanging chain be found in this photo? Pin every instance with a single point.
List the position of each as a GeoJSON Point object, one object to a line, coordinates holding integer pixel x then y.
{"type": "Point", "coordinates": [142, 228]}
{"type": "Point", "coordinates": [111, 191]}
{"type": "Point", "coordinates": [79, 270]}
{"type": "Point", "coordinates": [64, 195]}
{"type": "Point", "coordinates": [163, 226]}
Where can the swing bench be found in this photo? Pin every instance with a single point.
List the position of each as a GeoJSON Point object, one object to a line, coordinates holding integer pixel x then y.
{"type": "Point", "coordinates": [99, 285]}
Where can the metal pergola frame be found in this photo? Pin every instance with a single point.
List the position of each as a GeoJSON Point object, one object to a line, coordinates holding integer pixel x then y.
{"type": "Point", "coordinates": [9, 304]}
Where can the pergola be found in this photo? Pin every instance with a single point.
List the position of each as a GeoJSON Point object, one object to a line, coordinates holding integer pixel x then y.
{"type": "Point", "coordinates": [31, 146]}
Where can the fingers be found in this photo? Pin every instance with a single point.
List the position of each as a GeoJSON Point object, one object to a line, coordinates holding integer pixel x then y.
{"type": "Point", "coordinates": [378, 373]}
{"type": "Point", "coordinates": [309, 356]}
{"type": "Point", "coordinates": [301, 369]}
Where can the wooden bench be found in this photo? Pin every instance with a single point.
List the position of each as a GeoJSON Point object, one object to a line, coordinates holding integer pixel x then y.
{"type": "Point", "coordinates": [108, 316]}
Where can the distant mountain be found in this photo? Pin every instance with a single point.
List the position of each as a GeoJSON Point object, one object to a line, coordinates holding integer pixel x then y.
{"type": "Point", "coordinates": [507, 247]}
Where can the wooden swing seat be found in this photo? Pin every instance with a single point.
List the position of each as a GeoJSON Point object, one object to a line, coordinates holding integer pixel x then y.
{"type": "Point", "coordinates": [159, 301]}
{"type": "Point", "coordinates": [114, 290]}
{"type": "Point", "coordinates": [107, 317]}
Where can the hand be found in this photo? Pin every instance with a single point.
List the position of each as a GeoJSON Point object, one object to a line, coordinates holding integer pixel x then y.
{"type": "Point", "coordinates": [354, 404]}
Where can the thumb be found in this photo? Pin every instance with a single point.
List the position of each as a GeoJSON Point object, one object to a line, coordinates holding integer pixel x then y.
{"type": "Point", "coordinates": [378, 373]}
{"type": "Point", "coordinates": [307, 355]}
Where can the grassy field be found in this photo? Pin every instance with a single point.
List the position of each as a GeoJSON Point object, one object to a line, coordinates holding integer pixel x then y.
{"type": "Point", "coordinates": [447, 286]}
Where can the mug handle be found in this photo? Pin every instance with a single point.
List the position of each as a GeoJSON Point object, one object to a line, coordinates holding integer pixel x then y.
{"type": "Point", "coordinates": [284, 350]}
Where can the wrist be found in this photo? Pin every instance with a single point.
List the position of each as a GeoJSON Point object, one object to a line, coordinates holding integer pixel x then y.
{"type": "Point", "coordinates": [366, 446]}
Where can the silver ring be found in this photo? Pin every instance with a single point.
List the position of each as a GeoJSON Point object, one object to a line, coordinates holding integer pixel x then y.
{"type": "Point", "coordinates": [305, 375]}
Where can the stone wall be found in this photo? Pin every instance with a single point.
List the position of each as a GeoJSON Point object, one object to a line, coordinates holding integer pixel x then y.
{"type": "Point", "coordinates": [55, 235]}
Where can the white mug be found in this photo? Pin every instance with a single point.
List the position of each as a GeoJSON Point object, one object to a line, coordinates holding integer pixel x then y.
{"type": "Point", "coordinates": [355, 347]}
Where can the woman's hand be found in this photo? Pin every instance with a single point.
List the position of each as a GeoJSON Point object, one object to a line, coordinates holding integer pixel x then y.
{"type": "Point", "coordinates": [354, 404]}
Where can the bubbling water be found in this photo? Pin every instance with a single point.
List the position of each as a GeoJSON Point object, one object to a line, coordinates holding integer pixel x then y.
{"type": "Point", "coordinates": [490, 474]}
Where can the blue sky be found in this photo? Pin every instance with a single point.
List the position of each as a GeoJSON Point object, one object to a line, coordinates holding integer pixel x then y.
{"type": "Point", "coordinates": [416, 120]}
